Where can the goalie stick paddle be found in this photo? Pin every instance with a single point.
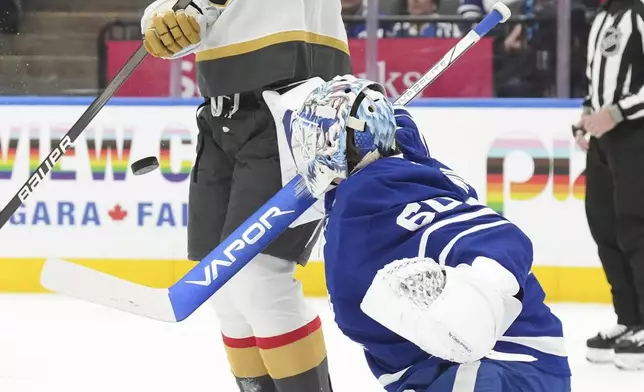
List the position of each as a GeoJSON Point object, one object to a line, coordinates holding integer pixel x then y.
{"type": "Point", "coordinates": [70, 137]}
{"type": "Point", "coordinates": [201, 282]}
{"type": "Point", "coordinates": [210, 274]}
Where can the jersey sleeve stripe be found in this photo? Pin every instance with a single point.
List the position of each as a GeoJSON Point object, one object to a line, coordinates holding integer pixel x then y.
{"type": "Point", "coordinates": [442, 258]}
{"type": "Point", "coordinates": [510, 357]}
{"type": "Point", "coordinates": [466, 375]}
{"type": "Point", "coordinates": [455, 219]}
{"type": "Point", "coordinates": [546, 344]}
{"type": "Point", "coordinates": [388, 379]}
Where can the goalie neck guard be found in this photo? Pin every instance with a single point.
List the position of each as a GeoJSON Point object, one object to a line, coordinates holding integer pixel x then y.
{"type": "Point", "coordinates": [343, 125]}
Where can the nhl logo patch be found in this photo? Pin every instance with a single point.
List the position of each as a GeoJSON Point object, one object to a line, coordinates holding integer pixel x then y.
{"type": "Point", "coordinates": [611, 42]}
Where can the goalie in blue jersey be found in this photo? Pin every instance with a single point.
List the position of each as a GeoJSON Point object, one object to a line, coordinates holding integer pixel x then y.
{"type": "Point", "coordinates": [433, 284]}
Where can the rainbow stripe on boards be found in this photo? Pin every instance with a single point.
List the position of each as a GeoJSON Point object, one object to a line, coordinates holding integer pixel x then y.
{"type": "Point", "coordinates": [537, 183]}
{"type": "Point", "coordinates": [106, 152]}
{"type": "Point", "coordinates": [8, 154]}
{"type": "Point", "coordinates": [165, 162]}
{"type": "Point", "coordinates": [34, 151]}
{"type": "Point", "coordinates": [8, 161]}
{"type": "Point", "coordinates": [579, 187]}
{"type": "Point", "coordinates": [561, 169]}
{"type": "Point", "coordinates": [57, 173]}
{"type": "Point", "coordinates": [109, 150]}
{"type": "Point", "coordinates": [527, 190]}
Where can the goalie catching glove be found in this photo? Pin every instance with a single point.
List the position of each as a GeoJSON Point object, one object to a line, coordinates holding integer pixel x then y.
{"type": "Point", "coordinates": [173, 34]}
{"type": "Point", "coordinates": [454, 313]}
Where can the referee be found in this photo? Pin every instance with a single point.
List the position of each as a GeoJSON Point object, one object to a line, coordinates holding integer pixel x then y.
{"type": "Point", "coordinates": [613, 117]}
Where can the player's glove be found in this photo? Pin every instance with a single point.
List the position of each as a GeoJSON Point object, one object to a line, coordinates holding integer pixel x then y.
{"type": "Point", "coordinates": [456, 314]}
{"type": "Point", "coordinates": [170, 34]}
{"type": "Point", "coordinates": [403, 118]}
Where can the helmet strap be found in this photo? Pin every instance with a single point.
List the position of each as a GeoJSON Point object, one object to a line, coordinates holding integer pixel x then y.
{"type": "Point", "coordinates": [353, 155]}
{"type": "Point", "coordinates": [357, 124]}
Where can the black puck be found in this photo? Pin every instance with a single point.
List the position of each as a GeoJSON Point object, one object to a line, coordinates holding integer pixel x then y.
{"type": "Point", "coordinates": [144, 166]}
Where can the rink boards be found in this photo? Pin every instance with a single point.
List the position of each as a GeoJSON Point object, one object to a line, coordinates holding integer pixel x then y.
{"type": "Point", "coordinates": [518, 154]}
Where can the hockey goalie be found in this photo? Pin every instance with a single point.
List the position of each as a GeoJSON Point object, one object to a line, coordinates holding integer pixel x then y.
{"type": "Point", "coordinates": [435, 286]}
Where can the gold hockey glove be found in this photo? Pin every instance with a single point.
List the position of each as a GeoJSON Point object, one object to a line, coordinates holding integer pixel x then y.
{"type": "Point", "coordinates": [171, 32]}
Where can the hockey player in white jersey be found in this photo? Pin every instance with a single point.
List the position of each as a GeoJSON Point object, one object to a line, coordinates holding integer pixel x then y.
{"type": "Point", "coordinates": [433, 284]}
{"type": "Point", "coordinates": [273, 339]}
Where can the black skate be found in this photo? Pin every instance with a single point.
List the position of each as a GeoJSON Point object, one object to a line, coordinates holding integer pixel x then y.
{"type": "Point", "coordinates": [629, 352]}
{"type": "Point", "coordinates": [601, 347]}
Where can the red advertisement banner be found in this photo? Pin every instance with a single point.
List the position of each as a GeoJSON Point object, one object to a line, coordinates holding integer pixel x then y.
{"type": "Point", "coordinates": [401, 62]}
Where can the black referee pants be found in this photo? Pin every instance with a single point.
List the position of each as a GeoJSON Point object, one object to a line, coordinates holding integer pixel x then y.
{"type": "Point", "coordinates": [615, 212]}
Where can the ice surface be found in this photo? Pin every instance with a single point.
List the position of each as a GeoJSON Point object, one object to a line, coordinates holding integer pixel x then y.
{"type": "Point", "coordinates": [55, 344]}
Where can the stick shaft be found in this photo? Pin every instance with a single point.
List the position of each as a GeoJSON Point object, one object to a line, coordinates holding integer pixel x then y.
{"type": "Point", "coordinates": [462, 46]}
{"type": "Point", "coordinates": [70, 137]}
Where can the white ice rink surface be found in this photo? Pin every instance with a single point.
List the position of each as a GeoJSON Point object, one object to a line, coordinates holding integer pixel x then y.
{"type": "Point", "coordinates": [54, 344]}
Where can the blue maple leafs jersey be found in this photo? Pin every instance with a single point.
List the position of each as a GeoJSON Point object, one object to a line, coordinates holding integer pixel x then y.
{"type": "Point", "coordinates": [412, 205]}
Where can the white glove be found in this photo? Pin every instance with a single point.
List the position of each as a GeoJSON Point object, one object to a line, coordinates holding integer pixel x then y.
{"type": "Point", "coordinates": [169, 34]}
{"type": "Point", "coordinates": [457, 314]}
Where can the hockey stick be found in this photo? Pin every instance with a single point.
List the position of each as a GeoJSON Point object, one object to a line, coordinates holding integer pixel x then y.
{"type": "Point", "coordinates": [210, 274]}
{"type": "Point", "coordinates": [70, 137]}
{"type": "Point", "coordinates": [499, 14]}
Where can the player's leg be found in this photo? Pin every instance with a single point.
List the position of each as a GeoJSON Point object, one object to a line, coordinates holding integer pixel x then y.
{"type": "Point", "coordinates": [288, 333]}
{"type": "Point", "coordinates": [242, 352]}
{"type": "Point", "coordinates": [625, 153]}
{"type": "Point", "coordinates": [600, 212]}
{"type": "Point", "coordinates": [497, 376]}
{"type": "Point", "coordinates": [208, 202]}
{"type": "Point", "coordinates": [210, 184]}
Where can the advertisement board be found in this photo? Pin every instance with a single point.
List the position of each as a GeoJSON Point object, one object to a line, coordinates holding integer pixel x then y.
{"type": "Point", "coordinates": [93, 208]}
{"type": "Point", "coordinates": [402, 62]}
{"type": "Point", "coordinates": [92, 205]}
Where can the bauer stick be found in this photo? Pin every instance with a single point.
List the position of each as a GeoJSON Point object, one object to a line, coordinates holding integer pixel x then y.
{"type": "Point", "coordinates": [210, 274]}
{"type": "Point", "coordinates": [70, 137]}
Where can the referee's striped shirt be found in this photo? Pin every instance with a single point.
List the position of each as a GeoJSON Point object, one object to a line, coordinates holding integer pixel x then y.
{"type": "Point", "coordinates": [615, 69]}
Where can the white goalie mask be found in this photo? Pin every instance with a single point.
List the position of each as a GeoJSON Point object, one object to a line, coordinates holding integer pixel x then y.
{"type": "Point", "coordinates": [343, 125]}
